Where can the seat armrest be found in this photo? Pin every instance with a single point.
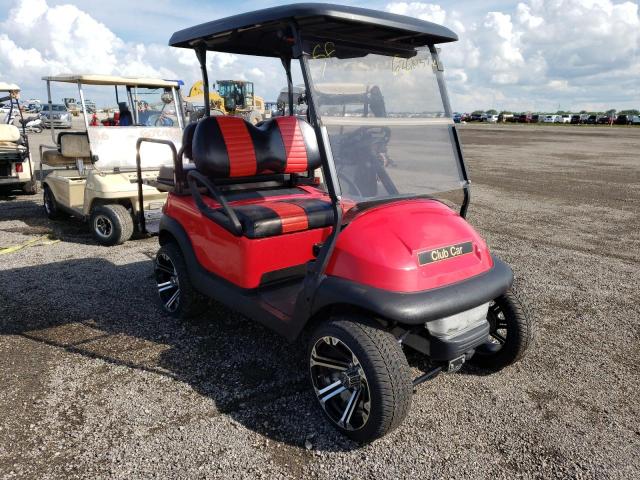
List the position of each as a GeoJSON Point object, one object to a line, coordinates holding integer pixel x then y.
{"type": "Point", "coordinates": [193, 178]}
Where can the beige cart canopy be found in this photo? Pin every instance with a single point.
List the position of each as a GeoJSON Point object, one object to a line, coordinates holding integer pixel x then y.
{"type": "Point", "coordinates": [9, 87]}
{"type": "Point", "coordinates": [113, 80]}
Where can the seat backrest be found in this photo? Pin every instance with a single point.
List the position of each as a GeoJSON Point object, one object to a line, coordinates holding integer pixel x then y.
{"type": "Point", "coordinates": [9, 133]}
{"type": "Point", "coordinates": [229, 147]}
{"type": "Point", "coordinates": [187, 140]}
{"type": "Point", "coordinates": [74, 144]}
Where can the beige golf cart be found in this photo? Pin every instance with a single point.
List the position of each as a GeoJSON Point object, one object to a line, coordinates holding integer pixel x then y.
{"type": "Point", "coordinates": [16, 169]}
{"type": "Point", "coordinates": [100, 172]}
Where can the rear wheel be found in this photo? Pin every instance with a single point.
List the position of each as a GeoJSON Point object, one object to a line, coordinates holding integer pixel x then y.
{"type": "Point", "coordinates": [111, 224]}
{"type": "Point", "coordinates": [177, 295]}
{"type": "Point", "coordinates": [30, 188]}
{"type": "Point", "coordinates": [360, 376]}
{"type": "Point", "coordinates": [50, 204]}
{"type": "Point", "coordinates": [510, 334]}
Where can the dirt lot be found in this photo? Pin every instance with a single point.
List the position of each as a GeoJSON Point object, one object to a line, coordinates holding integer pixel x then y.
{"type": "Point", "coordinates": [96, 382]}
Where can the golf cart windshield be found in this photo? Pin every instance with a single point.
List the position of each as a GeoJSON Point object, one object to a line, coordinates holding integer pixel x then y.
{"type": "Point", "coordinates": [389, 130]}
{"type": "Point", "coordinates": [155, 107]}
{"type": "Point", "coordinates": [130, 108]}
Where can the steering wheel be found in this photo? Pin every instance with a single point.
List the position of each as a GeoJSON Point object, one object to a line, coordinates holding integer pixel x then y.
{"type": "Point", "coordinates": [353, 188]}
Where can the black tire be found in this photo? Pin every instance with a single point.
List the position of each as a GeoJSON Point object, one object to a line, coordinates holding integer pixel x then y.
{"type": "Point", "coordinates": [377, 374]}
{"type": "Point", "coordinates": [50, 204]}
{"type": "Point", "coordinates": [511, 334]}
{"type": "Point", "coordinates": [177, 296]}
{"type": "Point", "coordinates": [111, 224]}
{"type": "Point", "coordinates": [30, 188]}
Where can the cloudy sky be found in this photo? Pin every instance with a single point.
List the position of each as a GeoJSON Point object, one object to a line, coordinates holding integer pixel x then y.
{"type": "Point", "coordinates": [517, 55]}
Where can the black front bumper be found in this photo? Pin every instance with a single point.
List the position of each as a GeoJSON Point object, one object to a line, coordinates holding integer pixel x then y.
{"type": "Point", "coordinates": [418, 307]}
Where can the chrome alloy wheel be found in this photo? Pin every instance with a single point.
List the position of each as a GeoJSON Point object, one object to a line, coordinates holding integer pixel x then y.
{"type": "Point", "coordinates": [340, 383]}
{"type": "Point", "coordinates": [48, 201]}
{"type": "Point", "coordinates": [103, 226]}
{"type": "Point", "coordinates": [498, 331]}
{"type": "Point", "coordinates": [167, 282]}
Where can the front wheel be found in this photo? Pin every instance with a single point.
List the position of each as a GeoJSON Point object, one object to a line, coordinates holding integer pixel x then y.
{"type": "Point", "coordinates": [360, 377]}
{"type": "Point", "coordinates": [510, 335]}
{"type": "Point", "coordinates": [111, 224]}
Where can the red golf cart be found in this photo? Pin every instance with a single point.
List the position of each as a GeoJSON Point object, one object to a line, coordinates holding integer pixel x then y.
{"type": "Point", "coordinates": [339, 224]}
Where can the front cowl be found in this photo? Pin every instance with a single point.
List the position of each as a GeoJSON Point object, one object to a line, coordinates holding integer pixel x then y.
{"type": "Point", "coordinates": [409, 246]}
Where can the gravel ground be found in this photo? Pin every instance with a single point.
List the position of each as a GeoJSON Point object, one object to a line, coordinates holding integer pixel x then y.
{"type": "Point", "coordinates": [98, 383]}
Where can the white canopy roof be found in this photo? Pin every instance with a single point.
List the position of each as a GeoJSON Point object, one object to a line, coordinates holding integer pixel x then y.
{"type": "Point", "coordinates": [113, 80]}
{"type": "Point", "coordinates": [8, 87]}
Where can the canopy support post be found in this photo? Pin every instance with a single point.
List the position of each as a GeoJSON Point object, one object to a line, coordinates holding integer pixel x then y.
{"type": "Point", "coordinates": [286, 63]}
{"type": "Point", "coordinates": [201, 53]}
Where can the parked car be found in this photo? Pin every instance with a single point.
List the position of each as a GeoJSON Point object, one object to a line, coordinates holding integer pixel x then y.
{"type": "Point", "coordinates": [623, 120]}
{"type": "Point", "coordinates": [564, 118]}
{"type": "Point", "coordinates": [575, 120]}
{"type": "Point", "coordinates": [59, 115]}
{"type": "Point", "coordinates": [550, 118]}
{"type": "Point", "coordinates": [491, 119]}
{"type": "Point", "coordinates": [476, 117]}
{"type": "Point", "coordinates": [90, 105]}
{"type": "Point", "coordinates": [605, 120]}
{"type": "Point", "coordinates": [34, 108]}
{"type": "Point", "coordinates": [635, 120]}
{"type": "Point", "coordinates": [525, 118]}
{"type": "Point", "coordinates": [457, 118]}
{"type": "Point", "coordinates": [592, 120]}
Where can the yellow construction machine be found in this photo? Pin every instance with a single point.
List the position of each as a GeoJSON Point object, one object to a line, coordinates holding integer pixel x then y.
{"type": "Point", "coordinates": [232, 97]}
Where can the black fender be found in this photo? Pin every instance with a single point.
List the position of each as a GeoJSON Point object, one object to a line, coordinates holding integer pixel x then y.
{"type": "Point", "coordinates": [417, 307]}
{"type": "Point", "coordinates": [246, 302]}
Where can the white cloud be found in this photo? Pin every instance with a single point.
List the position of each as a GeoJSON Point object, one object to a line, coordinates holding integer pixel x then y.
{"type": "Point", "coordinates": [540, 53]}
{"type": "Point", "coordinates": [534, 54]}
{"type": "Point", "coordinates": [424, 11]}
{"type": "Point", "coordinates": [38, 39]}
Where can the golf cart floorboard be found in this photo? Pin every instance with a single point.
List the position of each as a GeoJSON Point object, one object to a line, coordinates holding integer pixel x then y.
{"type": "Point", "coordinates": [281, 298]}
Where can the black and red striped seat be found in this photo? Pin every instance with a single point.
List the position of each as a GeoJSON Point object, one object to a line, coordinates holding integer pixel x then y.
{"type": "Point", "coordinates": [270, 218]}
{"type": "Point", "coordinates": [229, 147]}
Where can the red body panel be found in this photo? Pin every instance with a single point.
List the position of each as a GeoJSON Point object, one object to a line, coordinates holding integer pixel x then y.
{"type": "Point", "coordinates": [380, 247]}
{"type": "Point", "coordinates": [241, 260]}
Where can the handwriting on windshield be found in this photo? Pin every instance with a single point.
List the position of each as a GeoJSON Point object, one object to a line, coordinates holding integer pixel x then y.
{"type": "Point", "coordinates": [325, 50]}
{"type": "Point", "coordinates": [400, 64]}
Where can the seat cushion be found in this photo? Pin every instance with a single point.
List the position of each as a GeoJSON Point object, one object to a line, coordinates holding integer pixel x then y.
{"type": "Point", "coordinates": [230, 147]}
{"type": "Point", "coordinates": [270, 218]}
{"type": "Point", "coordinates": [54, 158]}
{"type": "Point", "coordinates": [9, 133]}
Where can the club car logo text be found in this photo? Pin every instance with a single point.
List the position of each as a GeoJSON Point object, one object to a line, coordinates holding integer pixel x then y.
{"type": "Point", "coordinates": [444, 253]}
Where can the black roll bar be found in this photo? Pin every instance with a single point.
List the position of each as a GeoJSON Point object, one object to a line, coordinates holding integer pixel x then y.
{"type": "Point", "coordinates": [193, 178]}
{"type": "Point", "coordinates": [177, 170]}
